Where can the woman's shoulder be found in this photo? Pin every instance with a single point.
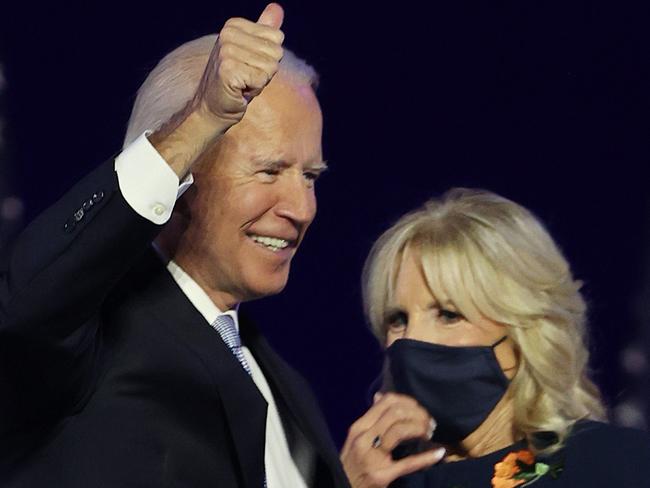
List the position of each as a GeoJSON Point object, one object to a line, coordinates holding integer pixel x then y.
{"type": "Point", "coordinates": [588, 434]}
{"type": "Point", "coordinates": [607, 453]}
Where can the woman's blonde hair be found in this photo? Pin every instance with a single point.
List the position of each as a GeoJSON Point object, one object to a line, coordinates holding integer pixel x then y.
{"type": "Point", "coordinates": [493, 258]}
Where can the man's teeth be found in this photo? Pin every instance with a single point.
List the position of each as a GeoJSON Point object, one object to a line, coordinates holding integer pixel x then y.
{"type": "Point", "coordinates": [272, 243]}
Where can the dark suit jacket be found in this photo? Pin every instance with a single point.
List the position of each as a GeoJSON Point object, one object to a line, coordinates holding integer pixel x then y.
{"type": "Point", "coordinates": [111, 378]}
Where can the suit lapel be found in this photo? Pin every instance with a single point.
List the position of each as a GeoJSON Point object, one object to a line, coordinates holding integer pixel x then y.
{"type": "Point", "coordinates": [291, 388]}
{"type": "Point", "coordinates": [243, 404]}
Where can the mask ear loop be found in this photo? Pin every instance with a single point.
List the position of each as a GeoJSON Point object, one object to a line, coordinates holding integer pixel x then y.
{"type": "Point", "coordinates": [499, 341]}
{"type": "Point", "coordinates": [495, 345]}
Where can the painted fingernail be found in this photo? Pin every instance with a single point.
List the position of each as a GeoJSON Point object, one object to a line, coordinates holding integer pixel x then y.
{"type": "Point", "coordinates": [438, 454]}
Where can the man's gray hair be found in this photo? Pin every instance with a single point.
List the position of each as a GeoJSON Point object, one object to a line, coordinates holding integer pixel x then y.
{"type": "Point", "coordinates": [173, 82]}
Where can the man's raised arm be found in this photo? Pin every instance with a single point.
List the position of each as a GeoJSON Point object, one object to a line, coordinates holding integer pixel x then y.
{"type": "Point", "coordinates": [243, 61]}
{"type": "Point", "coordinates": [68, 260]}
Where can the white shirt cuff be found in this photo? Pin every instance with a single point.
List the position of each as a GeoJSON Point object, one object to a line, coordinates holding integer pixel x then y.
{"type": "Point", "coordinates": [147, 182]}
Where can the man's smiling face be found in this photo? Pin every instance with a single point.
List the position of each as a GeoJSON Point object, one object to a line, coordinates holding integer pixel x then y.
{"type": "Point", "coordinates": [254, 197]}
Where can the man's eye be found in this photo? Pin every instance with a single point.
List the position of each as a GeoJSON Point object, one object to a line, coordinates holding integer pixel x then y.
{"type": "Point", "coordinates": [268, 175]}
{"type": "Point", "coordinates": [311, 175]}
{"type": "Point", "coordinates": [449, 317]}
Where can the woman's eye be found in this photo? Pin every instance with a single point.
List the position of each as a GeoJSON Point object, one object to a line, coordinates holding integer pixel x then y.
{"type": "Point", "coordinates": [270, 172]}
{"type": "Point", "coordinates": [449, 317]}
{"type": "Point", "coordinates": [396, 322]}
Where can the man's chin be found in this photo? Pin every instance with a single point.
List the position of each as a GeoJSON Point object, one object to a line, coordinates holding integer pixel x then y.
{"type": "Point", "coordinates": [261, 290]}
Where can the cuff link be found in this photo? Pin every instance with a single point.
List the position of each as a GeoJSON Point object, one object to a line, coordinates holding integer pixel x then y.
{"type": "Point", "coordinates": [159, 209]}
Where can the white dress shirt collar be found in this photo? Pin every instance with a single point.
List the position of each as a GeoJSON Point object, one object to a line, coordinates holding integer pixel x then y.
{"type": "Point", "coordinates": [197, 296]}
{"type": "Point", "coordinates": [280, 468]}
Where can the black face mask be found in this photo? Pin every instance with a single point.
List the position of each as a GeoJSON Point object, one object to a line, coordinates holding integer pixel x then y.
{"type": "Point", "coordinates": [459, 386]}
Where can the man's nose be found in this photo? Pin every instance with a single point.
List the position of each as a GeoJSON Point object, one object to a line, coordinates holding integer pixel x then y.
{"type": "Point", "coordinates": [298, 201]}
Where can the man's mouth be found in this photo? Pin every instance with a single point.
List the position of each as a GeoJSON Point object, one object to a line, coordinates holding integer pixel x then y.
{"type": "Point", "coordinates": [274, 244]}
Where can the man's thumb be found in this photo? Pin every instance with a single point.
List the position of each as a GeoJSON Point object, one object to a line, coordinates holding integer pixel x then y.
{"type": "Point", "coordinates": [272, 16]}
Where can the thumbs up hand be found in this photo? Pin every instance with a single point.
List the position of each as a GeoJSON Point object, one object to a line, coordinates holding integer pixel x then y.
{"type": "Point", "coordinates": [243, 61]}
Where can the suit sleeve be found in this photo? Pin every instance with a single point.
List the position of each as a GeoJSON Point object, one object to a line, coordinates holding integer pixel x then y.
{"type": "Point", "coordinates": [52, 287]}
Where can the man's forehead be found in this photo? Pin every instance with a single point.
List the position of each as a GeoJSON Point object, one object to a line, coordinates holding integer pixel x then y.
{"type": "Point", "coordinates": [284, 95]}
{"type": "Point", "coordinates": [266, 117]}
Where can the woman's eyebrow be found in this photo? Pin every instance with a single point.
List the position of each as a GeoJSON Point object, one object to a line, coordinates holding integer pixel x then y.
{"type": "Point", "coordinates": [393, 311]}
{"type": "Point", "coordinates": [443, 303]}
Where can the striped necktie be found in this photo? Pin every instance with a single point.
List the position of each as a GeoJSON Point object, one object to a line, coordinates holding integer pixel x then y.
{"type": "Point", "coordinates": [225, 326]}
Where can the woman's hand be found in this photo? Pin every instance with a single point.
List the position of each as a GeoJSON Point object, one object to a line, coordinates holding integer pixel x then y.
{"type": "Point", "coordinates": [393, 419]}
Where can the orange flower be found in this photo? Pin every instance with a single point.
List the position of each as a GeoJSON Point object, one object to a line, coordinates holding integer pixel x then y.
{"type": "Point", "coordinates": [526, 456]}
{"type": "Point", "coordinates": [505, 471]}
{"type": "Point", "coordinates": [511, 458]}
{"type": "Point", "coordinates": [502, 483]}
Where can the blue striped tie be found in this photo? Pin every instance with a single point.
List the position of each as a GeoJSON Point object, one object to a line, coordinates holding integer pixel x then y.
{"type": "Point", "coordinates": [225, 325]}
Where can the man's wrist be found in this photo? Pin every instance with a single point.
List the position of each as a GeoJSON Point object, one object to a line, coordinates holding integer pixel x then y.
{"type": "Point", "coordinates": [185, 137]}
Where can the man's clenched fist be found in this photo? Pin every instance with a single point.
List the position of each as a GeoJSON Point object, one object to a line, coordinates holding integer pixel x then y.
{"type": "Point", "coordinates": [243, 61]}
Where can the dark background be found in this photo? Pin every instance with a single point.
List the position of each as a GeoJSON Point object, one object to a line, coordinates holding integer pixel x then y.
{"type": "Point", "coordinates": [546, 103]}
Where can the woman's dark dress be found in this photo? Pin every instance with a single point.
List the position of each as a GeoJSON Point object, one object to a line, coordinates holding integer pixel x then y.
{"type": "Point", "coordinates": [596, 455]}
